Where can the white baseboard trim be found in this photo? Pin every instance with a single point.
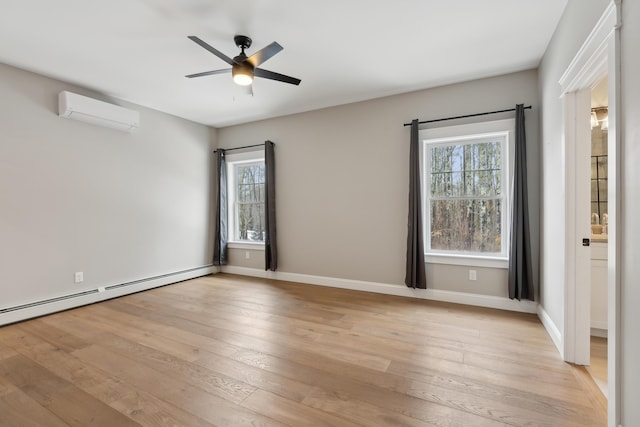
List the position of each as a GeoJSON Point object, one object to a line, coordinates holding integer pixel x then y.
{"type": "Point", "coordinates": [65, 302]}
{"type": "Point", "coordinates": [389, 289]}
{"type": "Point", "coordinates": [599, 324]}
{"type": "Point", "coordinates": [599, 332]}
{"type": "Point", "coordinates": [551, 328]}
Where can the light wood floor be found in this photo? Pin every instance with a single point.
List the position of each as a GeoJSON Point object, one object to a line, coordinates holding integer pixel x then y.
{"type": "Point", "coordinates": [231, 351]}
{"type": "Point", "coordinates": [598, 367]}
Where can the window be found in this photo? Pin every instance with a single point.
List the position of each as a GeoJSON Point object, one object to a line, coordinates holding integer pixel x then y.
{"type": "Point", "coordinates": [466, 193]}
{"type": "Point", "coordinates": [246, 197]}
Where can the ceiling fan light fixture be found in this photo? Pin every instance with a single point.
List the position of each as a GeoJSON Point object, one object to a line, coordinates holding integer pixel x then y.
{"type": "Point", "coordinates": [242, 79]}
{"type": "Point", "coordinates": [242, 74]}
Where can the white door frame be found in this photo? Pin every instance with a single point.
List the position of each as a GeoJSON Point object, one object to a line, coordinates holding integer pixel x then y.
{"type": "Point", "coordinates": [599, 56]}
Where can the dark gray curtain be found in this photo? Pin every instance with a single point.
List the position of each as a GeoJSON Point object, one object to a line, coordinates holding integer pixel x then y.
{"type": "Point", "coordinates": [220, 238]}
{"type": "Point", "coordinates": [415, 275]}
{"type": "Point", "coordinates": [520, 268]}
{"type": "Point", "coordinates": [270, 247]}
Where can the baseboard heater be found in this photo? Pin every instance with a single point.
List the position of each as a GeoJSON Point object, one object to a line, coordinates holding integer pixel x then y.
{"type": "Point", "coordinates": [102, 289]}
{"type": "Point", "coordinates": [47, 301]}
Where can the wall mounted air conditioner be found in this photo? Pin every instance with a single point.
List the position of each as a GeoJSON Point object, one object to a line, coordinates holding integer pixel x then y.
{"type": "Point", "coordinates": [78, 107]}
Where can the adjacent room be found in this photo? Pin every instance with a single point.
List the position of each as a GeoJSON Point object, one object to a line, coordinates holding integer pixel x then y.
{"type": "Point", "coordinates": [319, 213]}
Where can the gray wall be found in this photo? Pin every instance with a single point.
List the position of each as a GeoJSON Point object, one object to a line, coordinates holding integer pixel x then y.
{"type": "Point", "coordinates": [78, 197]}
{"type": "Point", "coordinates": [342, 181]}
{"type": "Point", "coordinates": [577, 22]}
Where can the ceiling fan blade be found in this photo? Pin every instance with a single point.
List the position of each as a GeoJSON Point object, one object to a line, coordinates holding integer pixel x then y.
{"type": "Point", "coordinates": [263, 54]}
{"type": "Point", "coordinates": [211, 49]}
{"type": "Point", "coordinates": [209, 73]}
{"type": "Point", "coordinates": [260, 72]}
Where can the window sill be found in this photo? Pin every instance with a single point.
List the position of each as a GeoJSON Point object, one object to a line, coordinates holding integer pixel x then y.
{"type": "Point", "coordinates": [473, 261]}
{"type": "Point", "coordinates": [256, 246]}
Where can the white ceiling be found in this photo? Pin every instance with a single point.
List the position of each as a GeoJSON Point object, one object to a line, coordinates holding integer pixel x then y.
{"type": "Point", "coordinates": [343, 50]}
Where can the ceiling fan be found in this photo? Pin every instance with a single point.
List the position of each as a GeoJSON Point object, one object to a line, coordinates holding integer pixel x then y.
{"type": "Point", "coordinates": [244, 68]}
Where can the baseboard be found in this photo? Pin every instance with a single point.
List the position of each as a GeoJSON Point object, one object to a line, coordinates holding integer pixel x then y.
{"type": "Point", "coordinates": [599, 332]}
{"type": "Point", "coordinates": [551, 328]}
{"type": "Point", "coordinates": [390, 289]}
{"type": "Point", "coordinates": [65, 302]}
{"type": "Point", "coordinates": [599, 324]}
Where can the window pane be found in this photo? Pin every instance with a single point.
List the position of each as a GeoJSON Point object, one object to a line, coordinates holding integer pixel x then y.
{"type": "Point", "coordinates": [466, 225]}
{"type": "Point", "coordinates": [251, 221]}
{"type": "Point", "coordinates": [446, 184]}
{"type": "Point", "coordinates": [466, 170]}
{"type": "Point", "coordinates": [250, 182]}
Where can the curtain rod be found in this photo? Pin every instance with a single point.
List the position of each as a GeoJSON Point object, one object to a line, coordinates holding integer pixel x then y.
{"type": "Point", "coordinates": [468, 115]}
{"type": "Point", "coordinates": [239, 148]}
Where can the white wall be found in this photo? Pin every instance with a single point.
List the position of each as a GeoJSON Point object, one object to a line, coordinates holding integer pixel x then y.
{"type": "Point", "coordinates": [577, 22]}
{"type": "Point", "coordinates": [77, 197]}
{"type": "Point", "coordinates": [342, 181]}
{"type": "Point", "coordinates": [629, 224]}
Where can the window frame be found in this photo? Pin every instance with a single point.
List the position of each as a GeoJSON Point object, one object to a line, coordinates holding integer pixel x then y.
{"type": "Point", "coordinates": [232, 161]}
{"type": "Point", "coordinates": [469, 134]}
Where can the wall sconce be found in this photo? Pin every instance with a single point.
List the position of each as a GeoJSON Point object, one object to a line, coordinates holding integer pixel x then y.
{"type": "Point", "coordinates": [600, 116]}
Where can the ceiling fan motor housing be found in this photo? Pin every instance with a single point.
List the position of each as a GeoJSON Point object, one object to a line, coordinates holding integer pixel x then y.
{"type": "Point", "coordinates": [243, 42]}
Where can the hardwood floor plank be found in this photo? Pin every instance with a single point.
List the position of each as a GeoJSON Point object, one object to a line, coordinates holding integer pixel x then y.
{"type": "Point", "coordinates": [262, 379]}
{"type": "Point", "coordinates": [138, 405]}
{"type": "Point", "coordinates": [292, 413]}
{"type": "Point", "coordinates": [6, 352]}
{"type": "Point", "coordinates": [180, 393]}
{"type": "Point", "coordinates": [167, 333]}
{"type": "Point", "coordinates": [65, 366]}
{"type": "Point", "coordinates": [18, 409]}
{"type": "Point", "coordinates": [385, 391]}
{"type": "Point", "coordinates": [212, 382]}
{"type": "Point", "coordinates": [6, 387]}
{"type": "Point", "coordinates": [60, 339]}
{"type": "Point", "coordinates": [149, 411]}
{"type": "Point", "coordinates": [361, 412]}
{"type": "Point", "coordinates": [226, 327]}
{"type": "Point", "coordinates": [227, 350]}
{"type": "Point", "coordinates": [515, 412]}
{"type": "Point", "coordinates": [480, 375]}
{"type": "Point", "coordinates": [595, 396]}
{"type": "Point", "coordinates": [66, 401]}
{"type": "Point", "coordinates": [221, 365]}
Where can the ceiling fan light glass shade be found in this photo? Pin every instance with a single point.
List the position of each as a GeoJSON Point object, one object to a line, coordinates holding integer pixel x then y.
{"type": "Point", "coordinates": [242, 79]}
{"type": "Point", "coordinates": [242, 74]}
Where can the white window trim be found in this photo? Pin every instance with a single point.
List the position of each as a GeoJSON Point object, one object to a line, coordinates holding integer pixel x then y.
{"type": "Point", "coordinates": [441, 135]}
{"type": "Point", "coordinates": [232, 160]}
{"type": "Point", "coordinates": [254, 246]}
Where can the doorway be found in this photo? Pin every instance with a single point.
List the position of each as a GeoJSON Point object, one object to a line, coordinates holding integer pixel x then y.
{"type": "Point", "coordinates": [599, 215]}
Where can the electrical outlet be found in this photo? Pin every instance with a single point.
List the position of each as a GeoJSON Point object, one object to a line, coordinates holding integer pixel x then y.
{"type": "Point", "coordinates": [79, 276]}
{"type": "Point", "coordinates": [472, 275]}
{"type": "Point", "coordinates": [247, 255]}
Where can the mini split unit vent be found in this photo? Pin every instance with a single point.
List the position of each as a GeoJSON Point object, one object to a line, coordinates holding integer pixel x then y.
{"type": "Point", "coordinates": [78, 107]}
